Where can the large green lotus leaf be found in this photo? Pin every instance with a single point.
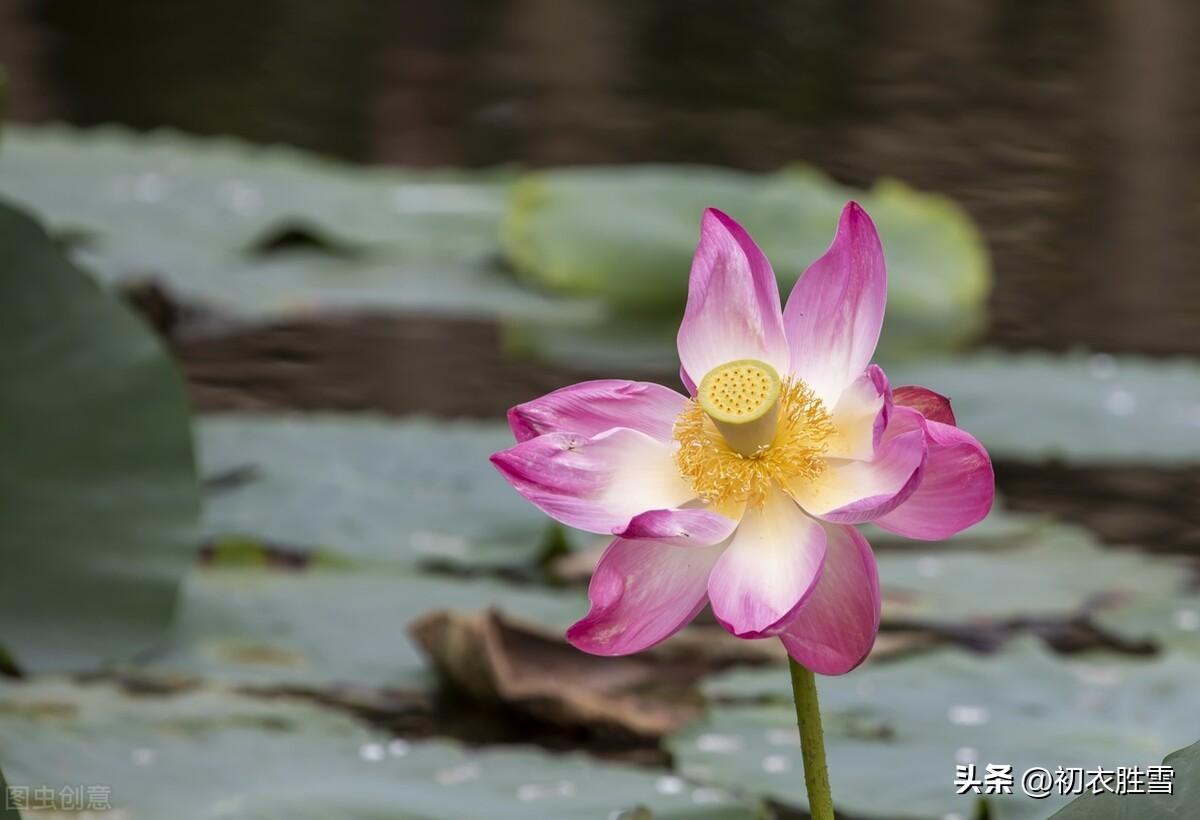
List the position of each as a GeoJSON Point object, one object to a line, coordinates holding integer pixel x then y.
{"type": "Point", "coordinates": [207, 754]}
{"type": "Point", "coordinates": [1182, 802]}
{"type": "Point", "coordinates": [1172, 622]}
{"type": "Point", "coordinates": [196, 213]}
{"type": "Point", "coordinates": [1085, 409]}
{"type": "Point", "coordinates": [369, 489]}
{"type": "Point", "coordinates": [172, 193]}
{"type": "Point", "coordinates": [1037, 575]}
{"type": "Point", "coordinates": [627, 234]}
{"type": "Point", "coordinates": [895, 731]}
{"type": "Point", "coordinates": [98, 491]}
{"type": "Point", "coordinates": [300, 283]}
{"type": "Point", "coordinates": [322, 627]}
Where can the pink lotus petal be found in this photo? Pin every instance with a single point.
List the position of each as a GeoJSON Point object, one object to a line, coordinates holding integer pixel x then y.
{"type": "Point", "coordinates": [643, 592]}
{"type": "Point", "coordinates": [860, 417]}
{"type": "Point", "coordinates": [933, 406]}
{"type": "Point", "coordinates": [835, 629]}
{"type": "Point", "coordinates": [592, 407]}
{"type": "Point", "coordinates": [688, 384]}
{"type": "Point", "coordinates": [955, 492]}
{"type": "Point", "coordinates": [733, 303]}
{"type": "Point", "coordinates": [596, 484]}
{"type": "Point", "coordinates": [835, 311]}
{"type": "Point", "coordinates": [768, 569]}
{"type": "Point", "coordinates": [683, 528]}
{"type": "Point", "coordinates": [852, 492]}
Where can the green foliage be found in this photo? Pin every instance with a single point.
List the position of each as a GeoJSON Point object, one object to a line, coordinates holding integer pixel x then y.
{"type": "Point", "coordinates": [1171, 621]}
{"type": "Point", "coordinates": [1096, 409]}
{"type": "Point", "coordinates": [173, 195]}
{"type": "Point", "coordinates": [322, 529]}
{"type": "Point", "coordinates": [895, 731]}
{"type": "Point", "coordinates": [410, 491]}
{"type": "Point", "coordinates": [207, 753]}
{"type": "Point", "coordinates": [209, 219]}
{"type": "Point", "coordinates": [1033, 574]}
{"type": "Point", "coordinates": [98, 492]}
{"type": "Point", "coordinates": [1183, 802]}
{"type": "Point", "coordinates": [627, 235]}
{"type": "Point", "coordinates": [323, 628]}
{"type": "Point", "coordinates": [259, 231]}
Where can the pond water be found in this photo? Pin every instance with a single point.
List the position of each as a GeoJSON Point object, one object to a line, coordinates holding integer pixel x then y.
{"type": "Point", "coordinates": [1069, 130]}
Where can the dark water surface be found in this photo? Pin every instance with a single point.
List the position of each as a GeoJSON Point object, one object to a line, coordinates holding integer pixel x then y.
{"type": "Point", "coordinates": [1070, 130]}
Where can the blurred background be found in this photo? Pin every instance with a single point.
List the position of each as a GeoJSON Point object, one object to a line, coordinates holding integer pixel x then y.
{"type": "Point", "coordinates": [271, 273]}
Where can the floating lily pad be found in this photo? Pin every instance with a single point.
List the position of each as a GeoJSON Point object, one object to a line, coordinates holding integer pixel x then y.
{"type": "Point", "coordinates": [206, 754]}
{"type": "Point", "coordinates": [98, 491]}
{"type": "Point", "coordinates": [895, 731]}
{"type": "Point", "coordinates": [627, 234]}
{"type": "Point", "coordinates": [1172, 622]}
{"type": "Point", "coordinates": [367, 489]}
{"type": "Point", "coordinates": [322, 627]}
{"type": "Point", "coordinates": [225, 196]}
{"type": "Point", "coordinates": [1183, 800]}
{"type": "Point", "coordinates": [1085, 409]}
{"type": "Point", "coordinates": [301, 282]}
{"type": "Point", "coordinates": [206, 216]}
{"type": "Point", "coordinates": [1052, 572]}
{"type": "Point", "coordinates": [999, 529]}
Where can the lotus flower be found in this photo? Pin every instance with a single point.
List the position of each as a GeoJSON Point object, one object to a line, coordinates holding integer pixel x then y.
{"type": "Point", "coordinates": [744, 495]}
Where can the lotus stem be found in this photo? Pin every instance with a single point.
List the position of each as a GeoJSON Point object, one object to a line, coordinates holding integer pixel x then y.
{"type": "Point", "coordinates": [812, 742]}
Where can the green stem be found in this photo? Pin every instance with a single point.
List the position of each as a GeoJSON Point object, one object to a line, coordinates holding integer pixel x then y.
{"type": "Point", "coordinates": [812, 742]}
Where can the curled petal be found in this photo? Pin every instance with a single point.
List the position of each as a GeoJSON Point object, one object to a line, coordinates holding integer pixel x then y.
{"type": "Point", "coordinates": [860, 417]}
{"type": "Point", "coordinates": [835, 629]}
{"type": "Point", "coordinates": [596, 484]}
{"type": "Point", "coordinates": [852, 492]}
{"type": "Point", "coordinates": [643, 592]}
{"type": "Point", "coordinates": [683, 528]}
{"type": "Point", "coordinates": [835, 312]}
{"type": "Point", "coordinates": [956, 489]}
{"type": "Point", "coordinates": [768, 569]}
{"type": "Point", "coordinates": [733, 303]}
{"type": "Point", "coordinates": [590, 408]}
{"type": "Point", "coordinates": [933, 406]}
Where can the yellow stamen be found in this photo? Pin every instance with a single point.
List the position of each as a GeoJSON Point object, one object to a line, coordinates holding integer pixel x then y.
{"type": "Point", "coordinates": [723, 477]}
